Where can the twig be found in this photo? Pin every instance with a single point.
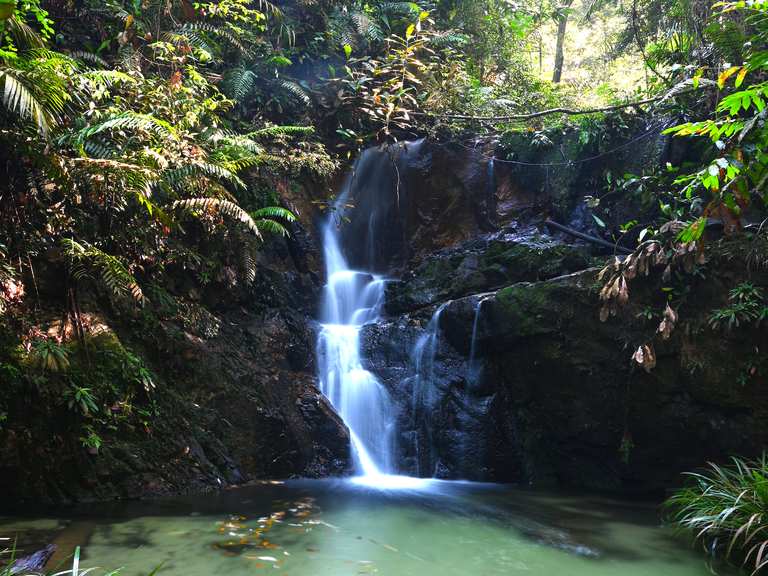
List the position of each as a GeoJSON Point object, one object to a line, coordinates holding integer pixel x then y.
{"type": "Point", "coordinates": [587, 237]}
{"type": "Point", "coordinates": [569, 111]}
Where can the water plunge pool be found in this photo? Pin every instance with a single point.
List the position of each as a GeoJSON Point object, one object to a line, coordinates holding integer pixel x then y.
{"type": "Point", "coordinates": [347, 527]}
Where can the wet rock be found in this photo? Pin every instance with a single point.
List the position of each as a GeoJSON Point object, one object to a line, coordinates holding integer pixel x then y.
{"type": "Point", "coordinates": [33, 563]}
{"type": "Point", "coordinates": [414, 199]}
{"type": "Point", "coordinates": [556, 400]}
{"type": "Point", "coordinates": [484, 264]}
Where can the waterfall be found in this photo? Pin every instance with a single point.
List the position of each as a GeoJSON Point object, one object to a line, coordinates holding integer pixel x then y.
{"type": "Point", "coordinates": [351, 299]}
{"type": "Point", "coordinates": [473, 369]}
{"type": "Point", "coordinates": [423, 359]}
{"type": "Point", "coordinates": [354, 249]}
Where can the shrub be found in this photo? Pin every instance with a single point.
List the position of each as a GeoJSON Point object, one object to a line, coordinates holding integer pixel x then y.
{"type": "Point", "coordinates": [726, 509]}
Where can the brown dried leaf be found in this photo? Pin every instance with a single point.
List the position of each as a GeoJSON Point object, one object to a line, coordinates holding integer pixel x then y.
{"type": "Point", "coordinates": [623, 296]}
{"type": "Point", "coordinates": [645, 356]}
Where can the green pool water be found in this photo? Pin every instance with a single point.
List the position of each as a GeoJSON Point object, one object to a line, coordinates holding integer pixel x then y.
{"type": "Point", "coordinates": [338, 527]}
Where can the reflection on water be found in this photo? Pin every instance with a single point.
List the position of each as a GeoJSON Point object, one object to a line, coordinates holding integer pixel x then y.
{"type": "Point", "coordinates": [338, 527]}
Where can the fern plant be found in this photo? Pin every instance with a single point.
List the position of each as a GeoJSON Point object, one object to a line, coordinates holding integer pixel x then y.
{"type": "Point", "coordinates": [265, 218]}
{"type": "Point", "coordinates": [86, 258]}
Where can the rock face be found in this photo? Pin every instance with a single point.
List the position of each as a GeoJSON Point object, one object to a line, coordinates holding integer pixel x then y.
{"type": "Point", "coordinates": [419, 197]}
{"type": "Point", "coordinates": [565, 406]}
{"type": "Point", "coordinates": [494, 351]}
{"type": "Point", "coordinates": [491, 347]}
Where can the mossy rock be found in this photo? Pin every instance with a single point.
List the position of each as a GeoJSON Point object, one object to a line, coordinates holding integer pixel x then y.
{"type": "Point", "coordinates": [484, 267]}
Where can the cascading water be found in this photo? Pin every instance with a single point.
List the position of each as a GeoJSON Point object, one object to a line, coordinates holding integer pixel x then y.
{"type": "Point", "coordinates": [424, 394]}
{"type": "Point", "coordinates": [351, 299]}
{"type": "Point", "coordinates": [473, 367]}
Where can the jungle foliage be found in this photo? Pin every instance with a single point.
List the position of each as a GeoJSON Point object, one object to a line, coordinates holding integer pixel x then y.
{"type": "Point", "coordinates": [145, 140]}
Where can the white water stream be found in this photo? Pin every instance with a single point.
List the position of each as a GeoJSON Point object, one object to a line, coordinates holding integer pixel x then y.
{"type": "Point", "coordinates": [351, 299]}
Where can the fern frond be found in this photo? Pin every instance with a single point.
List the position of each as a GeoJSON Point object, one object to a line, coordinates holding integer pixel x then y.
{"type": "Point", "coordinates": [274, 227]}
{"type": "Point", "coordinates": [177, 176]}
{"type": "Point", "coordinates": [239, 83]}
{"type": "Point", "coordinates": [399, 8]}
{"type": "Point", "coordinates": [112, 272]}
{"type": "Point", "coordinates": [238, 142]}
{"type": "Point", "coordinates": [274, 212]}
{"type": "Point", "coordinates": [248, 262]}
{"type": "Point", "coordinates": [108, 77]}
{"type": "Point", "coordinates": [240, 164]}
{"type": "Point", "coordinates": [223, 207]}
{"type": "Point", "coordinates": [367, 28]}
{"type": "Point", "coordinates": [193, 30]}
{"type": "Point", "coordinates": [445, 38]}
{"type": "Point", "coordinates": [266, 219]}
{"type": "Point", "coordinates": [272, 131]}
{"type": "Point", "coordinates": [295, 90]}
{"type": "Point", "coordinates": [135, 179]}
{"type": "Point", "coordinates": [89, 58]}
{"type": "Point", "coordinates": [100, 149]}
{"type": "Point", "coordinates": [128, 121]}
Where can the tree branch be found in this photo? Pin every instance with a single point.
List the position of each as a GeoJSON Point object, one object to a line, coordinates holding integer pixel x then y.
{"type": "Point", "coordinates": [569, 111]}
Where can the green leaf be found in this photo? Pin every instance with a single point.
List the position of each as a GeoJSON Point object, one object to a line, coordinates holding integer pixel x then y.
{"type": "Point", "coordinates": [693, 231]}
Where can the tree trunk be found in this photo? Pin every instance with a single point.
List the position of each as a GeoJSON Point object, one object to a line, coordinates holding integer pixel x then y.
{"type": "Point", "coordinates": [562, 23]}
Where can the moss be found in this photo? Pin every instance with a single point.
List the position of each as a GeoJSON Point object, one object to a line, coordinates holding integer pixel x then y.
{"type": "Point", "coordinates": [524, 305]}
{"type": "Point", "coordinates": [524, 261]}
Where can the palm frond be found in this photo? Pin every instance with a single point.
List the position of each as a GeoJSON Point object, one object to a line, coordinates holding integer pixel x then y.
{"type": "Point", "coordinates": [23, 34]}
{"type": "Point", "coordinates": [269, 8]}
{"type": "Point", "coordinates": [21, 97]}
